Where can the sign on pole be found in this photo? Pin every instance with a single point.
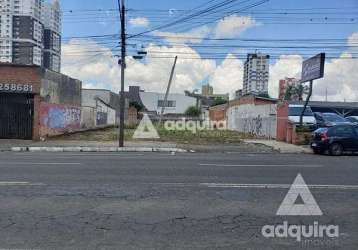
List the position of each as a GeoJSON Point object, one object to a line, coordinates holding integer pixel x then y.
{"type": "Point", "coordinates": [313, 68]}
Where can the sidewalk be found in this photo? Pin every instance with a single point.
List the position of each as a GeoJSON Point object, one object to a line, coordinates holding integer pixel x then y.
{"type": "Point", "coordinates": [248, 146]}
{"type": "Point", "coordinates": [86, 146]}
{"type": "Point", "coordinates": [282, 147]}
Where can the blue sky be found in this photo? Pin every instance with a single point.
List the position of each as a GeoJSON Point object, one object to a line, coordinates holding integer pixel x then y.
{"type": "Point", "coordinates": [79, 21]}
{"type": "Point", "coordinates": [264, 31]}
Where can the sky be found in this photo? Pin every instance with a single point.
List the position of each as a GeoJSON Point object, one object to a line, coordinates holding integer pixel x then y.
{"type": "Point", "coordinates": [218, 62]}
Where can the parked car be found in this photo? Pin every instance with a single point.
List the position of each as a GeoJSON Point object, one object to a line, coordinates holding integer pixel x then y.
{"type": "Point", "coordinates": [336, 140]}
{"type": "Point", "coordinates": [353, 119]}
{"type": "Point", "coordinates": [295, 111]}
{"type": "Point", "coordinates": [330, 119]}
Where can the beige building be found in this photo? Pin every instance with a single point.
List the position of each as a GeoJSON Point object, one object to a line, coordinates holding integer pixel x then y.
{"type": "Point", "coordinates": [207, 90]}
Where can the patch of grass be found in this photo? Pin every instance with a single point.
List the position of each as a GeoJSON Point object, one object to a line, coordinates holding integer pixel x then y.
{"type": "Point", "coordinates": [176, 136]}
{"type": "Point", "coordinates": [201, 137]}
{"type": "Point", "coordinates": [104, 135]}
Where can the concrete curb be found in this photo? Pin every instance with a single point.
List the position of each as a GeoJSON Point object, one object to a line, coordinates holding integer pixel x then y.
{"type": "Point", "coordinates": [96, 149]}
{"type": "Point", "coordinates": [283, 149]}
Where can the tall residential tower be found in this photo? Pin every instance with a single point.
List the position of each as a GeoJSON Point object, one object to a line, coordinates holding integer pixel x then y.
{"type": "Point", "coordinates": [256, 74]}
{"type": "Point", "coordinates": [52, 35]}
{"type": "Point", "coordinates": [23, 28]}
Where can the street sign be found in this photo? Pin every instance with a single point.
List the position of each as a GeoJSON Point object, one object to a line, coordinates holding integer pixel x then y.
{"type": "Point", "coordinates": [313, 68]}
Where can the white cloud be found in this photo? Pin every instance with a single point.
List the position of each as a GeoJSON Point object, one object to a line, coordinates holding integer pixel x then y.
{"type": "Point", "coordinates": [229, 27]}
{"type": "Point", "coordinates": [228, 76]}
{"type": "Point", "coordinates": [353, 39]}
{"type": "Point", "coordinates": [139, 22]}
{"type": "Point", "coordinates": [193, 36]}
{"type": "Point", "coordinates": [233, 26]}
{"type": "Point", "coordinates": [102, 70]}
{"type": "Point", "coordinates": [285, 66]}
{"type": "Point", "coordinates": [340, 80]}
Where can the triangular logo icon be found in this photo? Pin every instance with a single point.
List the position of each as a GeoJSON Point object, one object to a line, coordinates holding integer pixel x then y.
{"type": "Point", "coordinates": [146, 129]}
{"type": "Point", "coordinates": [299, 201]}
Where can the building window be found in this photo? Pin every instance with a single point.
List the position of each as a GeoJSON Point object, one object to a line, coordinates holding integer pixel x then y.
{"type": "Point", "coordinates": [170, 104]}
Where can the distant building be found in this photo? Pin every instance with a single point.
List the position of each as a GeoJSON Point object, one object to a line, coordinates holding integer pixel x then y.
{"type": "Point", "coordinates": [176, 103]}
{"type": "Point", "coordinates": [99, 107]}
{"type": "Point", "coordinates": [256, 74]}
{"type": "Point", "coordinates": [153, 102]}
{"type": "Point", "coordinates": [207, 90]}
{"type": "Point", "coordinates": [30, 33]}
{"type": "Point", "coordinates": [238, 93]}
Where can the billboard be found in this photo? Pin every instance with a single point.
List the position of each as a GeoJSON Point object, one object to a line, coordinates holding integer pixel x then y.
{"type": "Point", "coordinates": [313, 68]}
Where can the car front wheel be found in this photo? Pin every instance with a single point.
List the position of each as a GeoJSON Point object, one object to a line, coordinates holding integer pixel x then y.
{"type": "Point", "coordinates": [336, 149]}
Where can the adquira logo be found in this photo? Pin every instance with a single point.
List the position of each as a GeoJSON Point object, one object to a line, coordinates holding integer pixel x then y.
{"type": "Point", "coordinates": [146, 129]}
{"type": "Point", "coordinates": [299, 201]}
{"type": "Point", "coordinates": [299, 190]}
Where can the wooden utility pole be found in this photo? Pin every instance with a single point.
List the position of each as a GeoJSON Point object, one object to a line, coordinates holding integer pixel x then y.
{"type": "Point", "coordinates": [168, 90]}
{"type": "Point", "coordinates": [122, 63]}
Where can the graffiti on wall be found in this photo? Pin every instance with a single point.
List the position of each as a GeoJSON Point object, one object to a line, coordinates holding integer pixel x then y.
{"type": "Point", "coordinates": [252, 119]}
{"type": "Point", "coordinates": [101, 118]}
{"type": "Point", "coordinates": [57, 119]}
{"type": "Point", "coordinates": [253, 125]}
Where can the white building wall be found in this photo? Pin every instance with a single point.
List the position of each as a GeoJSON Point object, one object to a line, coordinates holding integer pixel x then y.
{"type": "Point", "coordinates": [90, 102]}
{"type": "Point", "coordinates": [259, 120]}
{"type": "Point", "coordinates": [111, 113]}
{"type": "Point", "coordinates": [111, 119]}
{"type": "Point", "coordinates": [89, 97]}
{"type": "Point", "coordinates": [182, 102]}
{"type": "Point", "coordinates": [88, 117]}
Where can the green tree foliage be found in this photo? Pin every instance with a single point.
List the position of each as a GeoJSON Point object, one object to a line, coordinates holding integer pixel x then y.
{"type": "Point", "coordinates": [136, 105]}
{"type": "Point", "coordinates": [295, 92]}
{"type": "Point", "coordinates": [193, 111]}
{"type": "Point", "coordinates": [219, 101]}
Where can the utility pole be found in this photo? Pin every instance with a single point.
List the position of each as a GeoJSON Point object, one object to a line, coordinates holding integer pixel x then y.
{"type": "Point", "coordinates": [168, 90]}
{"type": "Point", "coordinates": [306, 103]}
{"type": "Point", "coordinates": [122, 63]}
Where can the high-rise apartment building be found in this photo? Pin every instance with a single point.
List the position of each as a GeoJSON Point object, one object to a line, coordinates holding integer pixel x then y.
{"type": "Point", "coordinates": [52, 35]}
{"type": "Point", "coordinates": [207, 90]}
{"type": "Point", "coordinates": [23, 28]}
{"type": "Point", "coordinates": [256, 74]}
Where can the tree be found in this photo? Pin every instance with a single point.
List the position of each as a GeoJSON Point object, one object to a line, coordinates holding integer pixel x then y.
{"type": "Point", "coordinates": [136, 105]}
{"type": "Point", "coordinates": [193, 111]}
{"type": "Point", "coordinates": [295, 92]}
{"type": "Point", "coordinates": [218, 101]}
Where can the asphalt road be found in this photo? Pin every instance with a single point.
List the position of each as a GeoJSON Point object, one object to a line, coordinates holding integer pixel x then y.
{"type": "Point", "coordinates": [163, 201]}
